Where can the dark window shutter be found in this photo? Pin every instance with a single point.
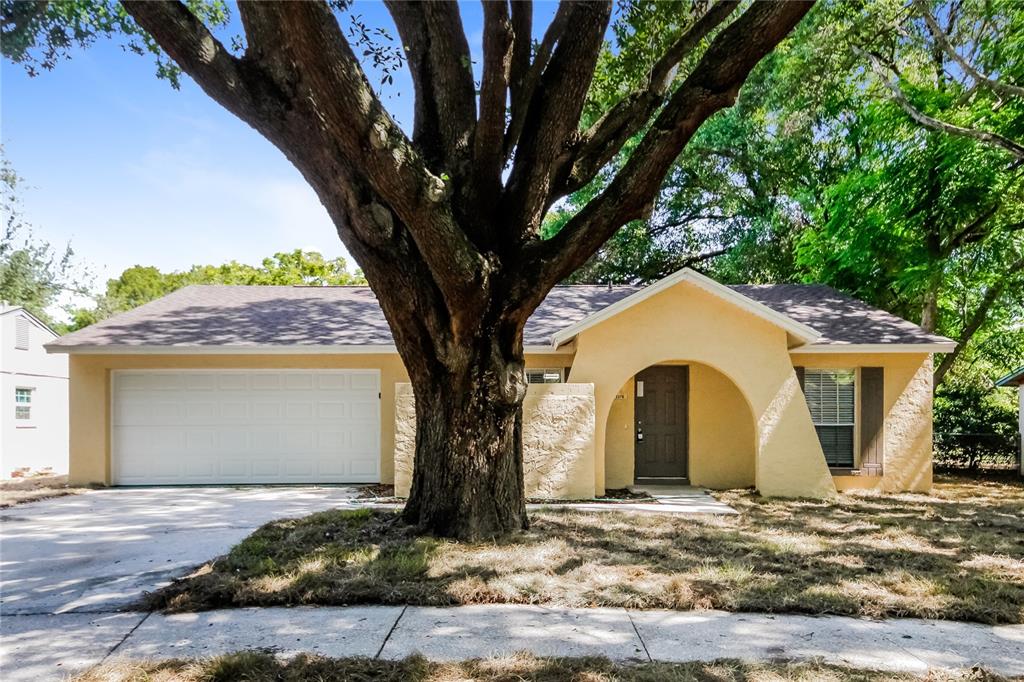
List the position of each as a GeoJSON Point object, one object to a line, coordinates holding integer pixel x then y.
{"type": "Point", "coordinates": [800, 376]}
{"type": "Point", "coordinates": [872, 420]}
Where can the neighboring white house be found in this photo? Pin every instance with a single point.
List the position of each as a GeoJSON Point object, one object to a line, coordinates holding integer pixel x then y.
{"type": "Point", "coordinates": [33, 396]}
{"type": "Point", "coordinates": [1016, 378]}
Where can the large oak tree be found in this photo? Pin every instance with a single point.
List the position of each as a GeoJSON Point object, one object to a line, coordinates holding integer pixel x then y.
{"type": "Point", "coordinates": [445, 222]}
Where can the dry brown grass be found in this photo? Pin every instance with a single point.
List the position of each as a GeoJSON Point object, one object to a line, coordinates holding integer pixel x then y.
{"type": "Point", "coordinates": [263, 667]}
{"type": "Point", "coordinates": [34, 488]}
{"type": "Point", "coordinates": [956, 554]}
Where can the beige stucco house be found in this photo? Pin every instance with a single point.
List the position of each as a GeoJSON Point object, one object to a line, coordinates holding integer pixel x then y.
{"type": "Point", "coordinates": [795, 389]}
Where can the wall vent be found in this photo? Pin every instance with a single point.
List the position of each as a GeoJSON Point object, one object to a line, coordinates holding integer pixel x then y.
{"type": "Point", "coordinates": [21, 332]}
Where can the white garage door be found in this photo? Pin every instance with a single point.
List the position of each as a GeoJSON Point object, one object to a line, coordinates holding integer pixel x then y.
{"type": "Point", "coordinates": [245, 426]}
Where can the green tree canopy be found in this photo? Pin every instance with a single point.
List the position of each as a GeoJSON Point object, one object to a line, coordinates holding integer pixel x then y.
{"type": "Point", "coordinates": [141, 284]}
{"type": "Point", "coordinates": [878, 151]}
{"type": "Point", "coordinates": [33, 273]}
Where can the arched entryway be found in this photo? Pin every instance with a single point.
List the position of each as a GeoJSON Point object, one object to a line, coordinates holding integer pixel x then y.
{"type": "Point", "coordinates": [680, 421]}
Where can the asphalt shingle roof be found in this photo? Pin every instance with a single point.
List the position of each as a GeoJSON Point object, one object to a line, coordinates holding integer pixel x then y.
{"type": "Point", "coordinates": [240, 316]}
{"type": "Point", "coordinates": [837, 317]}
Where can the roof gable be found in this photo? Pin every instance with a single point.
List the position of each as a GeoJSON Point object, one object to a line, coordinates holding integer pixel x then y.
{"type": "Point", "coordinates": [23, 312]}
{"type": "Point", "coordinates": [802, 333]}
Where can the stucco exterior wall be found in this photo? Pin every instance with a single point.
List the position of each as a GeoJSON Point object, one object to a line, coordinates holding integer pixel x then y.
{"type": "Point", "coordinates": [688, 324]}
{"type": "Point", "coordinates": [907, 396]}
{"type": "Point", "coordinates": [89, 395]}
{"type": "Point", "coordinates": [558, 440]}
{"type": "Point", "coordinates": [620, 438]}
{"type": "Point", "coordinates": [722, 440]}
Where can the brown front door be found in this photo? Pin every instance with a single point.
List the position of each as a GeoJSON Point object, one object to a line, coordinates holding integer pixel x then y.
{"type": "Point", "coordinates": [662, 424]}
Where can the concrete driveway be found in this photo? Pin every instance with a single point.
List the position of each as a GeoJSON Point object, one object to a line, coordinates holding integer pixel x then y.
{"type": "Point", "coordinates": [99, 551]}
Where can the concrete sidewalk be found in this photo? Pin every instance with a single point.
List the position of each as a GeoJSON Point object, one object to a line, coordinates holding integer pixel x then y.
{"type": "Point", "coordinates": [44, 647]}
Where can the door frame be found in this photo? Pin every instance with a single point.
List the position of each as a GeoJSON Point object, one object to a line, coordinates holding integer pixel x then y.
{"type": "Point", "coordinates": [655, 480]}
{"type": "Point", "coordinates": [111, 449]}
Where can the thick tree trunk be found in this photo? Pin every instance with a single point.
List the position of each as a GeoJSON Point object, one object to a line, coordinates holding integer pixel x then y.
{"type": "Point", "coordinates": [468, 471]}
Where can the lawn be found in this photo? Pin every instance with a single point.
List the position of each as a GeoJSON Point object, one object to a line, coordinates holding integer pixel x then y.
{"type": "Point", "coordinates": [955, 554]}
{"type": "Point", "coordinates": [263, 667]}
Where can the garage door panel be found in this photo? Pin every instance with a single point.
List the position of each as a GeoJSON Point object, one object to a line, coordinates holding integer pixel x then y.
{"type": "Point", "coordinates": [233, 381]}
{"type": "Point", "coordinates": [200, 442]}
{"type": "Point", "coordinates": [298, 441]}
{"type": "Point", "coordinates": [246, 426]}
{"type": "Point", "coordinates": [333, 381]}
{"type": "Point", "coordinates": [200, 382]}
{"type": "Point", "coordinates": [331, 441]}
{"type": "Point", "coordinates": [364, 381]}
{"type": "Point", "coordinates": [364, 410]}
{"type": "Point", "coordinates": [363, 467]}
{"type": "Point", "coordinates": [302, 382]}
{"type": "Point", "coordinates": [332, 409]}
{"type": "Point", "coordinates": [151, 382]}
{"type": "Point", "coordinates": [266, 382]}
{"type": "Point", "coordinates": [233, 469]}
{"type": "Point", "coordinates": [199, 468]}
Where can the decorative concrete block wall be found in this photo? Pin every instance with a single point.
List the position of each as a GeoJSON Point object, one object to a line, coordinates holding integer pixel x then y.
{"type": "Point", "coordinates": [558, 440]}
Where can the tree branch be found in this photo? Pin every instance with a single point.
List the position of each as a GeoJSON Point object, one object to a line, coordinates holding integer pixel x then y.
{"type": "Point", "coordinates": [334, 129]}
{"type": "Point", "coordinates": [713, 85]}
{"type": "Point", "coordinates": [524, 81]}
{"type": "Point", "coordinates": [439, 61]}
{"type": "Point", "coordinates": [1005, 89]}
{"type": "Point", "coordinates": [553, 115]}
{"type": "Point", "coordinates": [522, 53]}
{"type": "Point", "coordinates": [977, 319]}
{"type": "Point", "coordinates": [926, 121]}
{"type": "Point", "coordinates": [191, 45]}
{"type": "Point", "coordinates": [490, 129]}
{"type": "Point", "coordinates": [603, 140]}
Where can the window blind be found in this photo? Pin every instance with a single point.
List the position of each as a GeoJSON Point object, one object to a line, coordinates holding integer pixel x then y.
{"type": "Point", "coordinates": [831, 399]}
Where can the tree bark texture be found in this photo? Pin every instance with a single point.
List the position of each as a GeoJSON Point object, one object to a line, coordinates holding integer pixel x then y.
{"type": "Point", "coordinates": [451, 248]}
{"type": "Point", "coordinates": [468, 447]}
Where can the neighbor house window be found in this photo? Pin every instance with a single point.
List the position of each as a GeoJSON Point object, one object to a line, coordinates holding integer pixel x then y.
{"type": "Point", "coordinates": [831, 398]}
{"type": "Point", "coordinates": [23, 403]}
{"type": "Point", "coordinates": [544, 376]}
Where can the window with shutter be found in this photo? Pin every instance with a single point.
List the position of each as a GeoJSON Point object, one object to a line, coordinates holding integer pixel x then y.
{"type": "Point", "coordinates": [544, 376]}
{"type": "Point", "coordinates": [21, 333]}
{"type": "Point", "coordinates": [831, 398]}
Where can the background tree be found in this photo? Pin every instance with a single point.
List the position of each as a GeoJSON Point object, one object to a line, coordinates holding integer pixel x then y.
{"type": "Point", "coordinates": [446, 223]}
{"type": "Point", "coordinates": [875, 151]}
{"type": "Point", "coordinates": [33, 273]}
{"type": "Point", "coordinates": [141, 284]}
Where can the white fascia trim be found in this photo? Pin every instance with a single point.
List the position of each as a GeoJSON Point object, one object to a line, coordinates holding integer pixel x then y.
{"type": "Point", "coordinates": [379, 349]}
{"type": "Point", "coordinates": [801, 331]}
{"type": "Point", "coordinates": [937, 347]}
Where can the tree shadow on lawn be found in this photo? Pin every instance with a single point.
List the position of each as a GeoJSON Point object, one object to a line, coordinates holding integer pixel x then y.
{"type": "Point", "coordinates": [955, 554]}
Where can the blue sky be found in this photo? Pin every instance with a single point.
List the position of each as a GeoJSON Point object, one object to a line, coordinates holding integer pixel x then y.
{"type": "Point", "coordinates": [131, 171]}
